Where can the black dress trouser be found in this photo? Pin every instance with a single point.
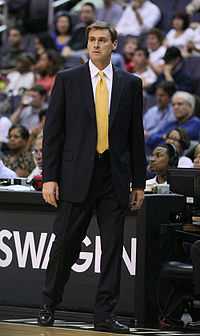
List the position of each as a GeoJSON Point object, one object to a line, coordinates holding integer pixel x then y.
{"type": "Point", "coordinates": [70, 228]}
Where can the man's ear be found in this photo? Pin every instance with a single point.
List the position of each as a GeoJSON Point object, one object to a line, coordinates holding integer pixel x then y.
{"type": "Point", "coordinates": [115, 45]}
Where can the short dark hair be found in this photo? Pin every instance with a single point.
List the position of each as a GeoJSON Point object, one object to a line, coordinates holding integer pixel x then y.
{"type": "Point", "coordinates": [16, 27]}
{"type": "Point", "coordinates": [46, 40]}
{"type": "Point", "coordinates": [144, 50]}
{"type": "Point", "coordinates": [157, 32]}
{"type": "Point", "coordinates": [91, 5]}
{"type": "Point", "coordinates": [172, 53]}
{"type": "Point", "coordinates": [39, 89]}
{"type": "Point", "coordinates": [184, 17]}
{"type": "Point", "coordinates": [172, 154]}
{"type": "Point", "coordinates": [103, 25]}
{"type": "Point", "coordinates": [168, 87]}
{"type": "Point", "coordinates": [22, 130]}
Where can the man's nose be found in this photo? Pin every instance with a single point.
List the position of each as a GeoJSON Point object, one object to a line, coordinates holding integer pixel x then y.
{"type": "Point", "coordinates": [96, 44]}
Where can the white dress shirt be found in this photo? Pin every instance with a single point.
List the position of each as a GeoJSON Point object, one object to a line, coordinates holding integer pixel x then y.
{"type": "Point", "coordinates": [129, 24]}
{"type": "Point", "coordinates": [108, 71]}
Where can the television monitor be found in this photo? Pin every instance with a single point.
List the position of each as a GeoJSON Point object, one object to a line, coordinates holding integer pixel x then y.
{"type": "Point", "coordinates": [185, 181]}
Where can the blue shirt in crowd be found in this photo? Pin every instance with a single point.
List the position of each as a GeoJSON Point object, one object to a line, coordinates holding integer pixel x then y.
{"type": "Point", "coordinates": [191, 125]}
{"type": "Point", "coordinates": [155, 119]}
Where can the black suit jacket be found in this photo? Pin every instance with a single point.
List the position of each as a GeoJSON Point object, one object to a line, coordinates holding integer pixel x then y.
{"type": "Point", "coordinates": [70, 134]}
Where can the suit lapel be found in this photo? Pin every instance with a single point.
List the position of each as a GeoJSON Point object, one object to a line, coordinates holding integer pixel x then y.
{"type": "Point", "coordinates": [117, 86]}
{"type": "Point", "coordinates": [86, 87]}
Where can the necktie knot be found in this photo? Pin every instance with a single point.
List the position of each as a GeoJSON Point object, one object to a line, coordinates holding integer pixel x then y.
{"type": "Point", "coordinates": [101, 74]}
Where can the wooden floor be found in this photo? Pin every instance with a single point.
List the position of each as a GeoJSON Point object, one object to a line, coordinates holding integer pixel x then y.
{"type": "Point", "coordinates": [10, 329]}
{"type": "Point", "coordinates": [17, 329]}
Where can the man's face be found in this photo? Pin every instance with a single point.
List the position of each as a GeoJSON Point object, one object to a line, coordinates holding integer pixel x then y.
{"type": "Point", "coordinates": [181, 108]}
{"type": "Point", "coordinates": [14, 37]}
{"type": "Point", "coordinates": [162, 98]}
{"type": "Point", "coordinates": [159, 161]}
{"type": "Point", "coordinates": [87, 14]}
{"type": "Point", "coordinates": [37, 153]}
{"type": "Point", "coordinates": [139, 58]}
{"type": "Point", "coordinates": [37, 99]}
{"type": "Point", "coordinates": [153, 42]}
{"type": "Point", "coordinates": [100, 46]}
{"type": "Point", "coordinates": [174, 138]}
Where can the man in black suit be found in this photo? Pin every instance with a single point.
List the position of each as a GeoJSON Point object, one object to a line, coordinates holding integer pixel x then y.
{"type": "Point", "coordinates": [93, 149]}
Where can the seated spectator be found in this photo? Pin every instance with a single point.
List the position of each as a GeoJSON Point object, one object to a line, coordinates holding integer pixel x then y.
{"type": "Point", "coordinates": [196, 158]}
{"type": "Point", "coordinates": [156, 49]}
{"type": "Point", "coordinates": [162, 113]}
{"type": "Point", "coordinates": [193, 7]}
{"type": "Point", "coordinates": [63, 28]}
{"type": "Point", "coordinates": [22, 77]}
{"type": "Point", "coordinates": [111, 12]}
{"type": "Point", "coordinates": [129, 48]}
{"type": "Point", "coordinates": [117, 60]}
{"type": "Point", "coordinates": [142, 68]}
{"type": "Point", "coordinates": [37, 155]}
{"type": "Point", "coordinates": [180, 34]}
{"type": "Point", "coordinates": [6, 173]}
{"type": "Point", "coordinates": [174, 70]}
{"type": "Point", "coordinates": [78, 42]}
{"type": "Point", "coordinates": [33, 101]}
{"type": "Point", "coordinates": [180, 139]}
{"type": "Point", "coordinates": [138, 18]}
{"type": "Point", "coordinates": [5, 124]}
{"type": "Point", "coordinates": [193, 46]}
{"type": "Point", "coordinates": [163, 157]}
{"type": "Point", "coordinates": [36, 131]}
{"type": "Point", "coordinates": [43, 42]}
{"type": "Point", "coordinates": [11, 49]}
{"type": "Point", "coordinates": [46, 68]}
{"type": "Point", "coordinates": [183, 104]}
{"type": "Point", "coordinates": [19, 159]}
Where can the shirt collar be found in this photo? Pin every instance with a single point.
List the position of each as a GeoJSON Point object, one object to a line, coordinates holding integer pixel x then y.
{"type": "Point", "coordinates": [108, 71]}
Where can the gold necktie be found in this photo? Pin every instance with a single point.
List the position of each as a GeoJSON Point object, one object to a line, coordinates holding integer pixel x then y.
{"type": "Point", "coordinates": [102, 106]}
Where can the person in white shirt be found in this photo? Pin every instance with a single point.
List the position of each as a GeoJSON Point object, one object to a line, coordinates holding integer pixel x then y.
{"type": "Point", "coordinates": [22, 77]}
{"type": "Point", "coordinates": [138, 18]}
{"type": "Point", "coordinates": [193, 46]}
{"type": "Point", "coordinates": [193, 7]}
{"type": "Point", "coordinates": [180, 34]}
{"type": "Point", "coordinates": [156, 49]}
{"type": "Point", "coordinates": [180, 139]}
{"type": "Point", "coordinates": [6, 172]}
{"type": "Point", "coordinates": [163, 157]}
{"type": "Point", "coordinates": [5, 124]}
{"type": "Point", "coordinates": [142, 68]}
{"type": "Point", "coordinates": [37, 155]}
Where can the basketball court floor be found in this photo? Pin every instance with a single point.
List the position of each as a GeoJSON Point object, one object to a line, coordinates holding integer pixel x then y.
{"type": "Point", "coordinates": [29, 327]}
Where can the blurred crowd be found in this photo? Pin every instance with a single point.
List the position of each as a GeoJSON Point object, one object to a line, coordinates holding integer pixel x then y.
{"type": "Point", "coordinates": [165, 55]}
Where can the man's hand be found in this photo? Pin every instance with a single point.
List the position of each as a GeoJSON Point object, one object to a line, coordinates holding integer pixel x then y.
{"type": "Point", "coordinates": [50, 193]}
{"type": "Point", "coordinates": [136, 199]}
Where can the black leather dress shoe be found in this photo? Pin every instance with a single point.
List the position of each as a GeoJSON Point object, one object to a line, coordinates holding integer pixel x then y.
{"type": "Point", "coordinates": [111, 326]}
{"type": "Point", "coordinates": [46, 316]}
{"type": "Point", "coordinates": [193, 326]}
